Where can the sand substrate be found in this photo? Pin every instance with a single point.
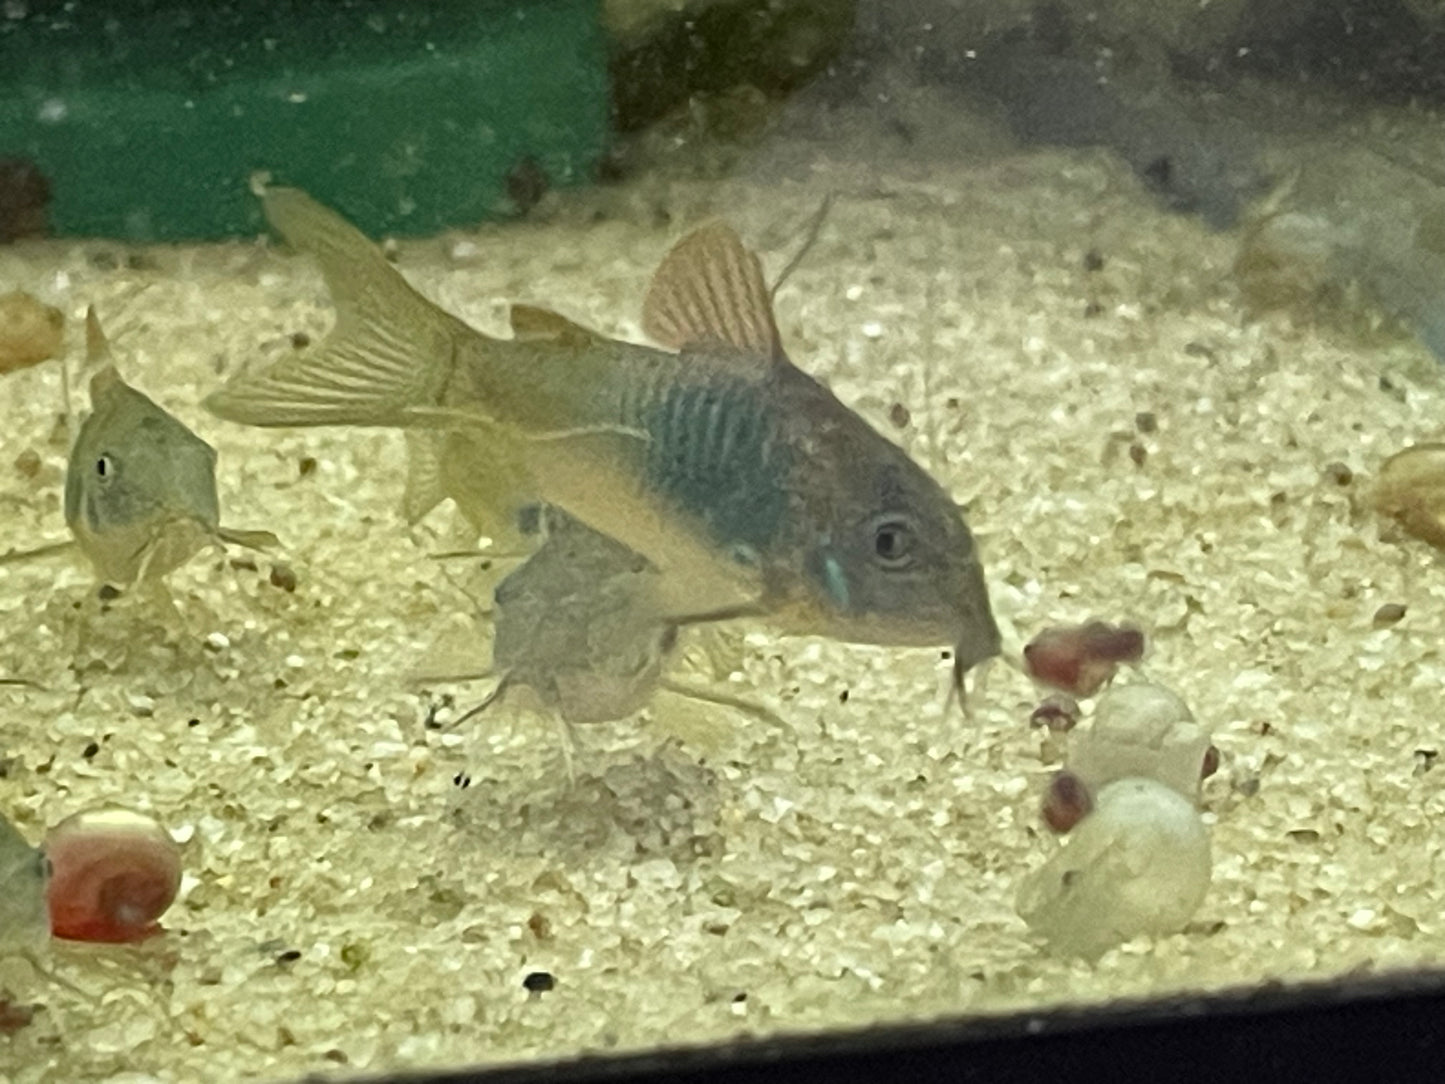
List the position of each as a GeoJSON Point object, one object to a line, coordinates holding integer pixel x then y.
{"type": "Point", "coordinates": [367, 885]}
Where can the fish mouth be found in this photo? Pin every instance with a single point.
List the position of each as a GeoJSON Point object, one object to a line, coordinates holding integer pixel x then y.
{"type": "Point", "coordinates": [973, 647]}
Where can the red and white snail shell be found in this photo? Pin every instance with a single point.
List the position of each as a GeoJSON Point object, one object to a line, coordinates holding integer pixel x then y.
{"type": "Point", "coordinates": [114, 873]}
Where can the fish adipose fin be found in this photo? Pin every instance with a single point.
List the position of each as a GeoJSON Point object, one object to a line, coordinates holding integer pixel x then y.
{"type": "Point", "coordinates": [391, 348]}
{"type": "Point", "coordinates": [710, 289]}
{"type": "Point", "coordinates": [533, 324]}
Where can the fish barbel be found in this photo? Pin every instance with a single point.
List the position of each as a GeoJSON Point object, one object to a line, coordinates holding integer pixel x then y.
{"type": "Point", "coordinates": [140, 488]}
{"type": "Point", "coordinates": [745, 482]}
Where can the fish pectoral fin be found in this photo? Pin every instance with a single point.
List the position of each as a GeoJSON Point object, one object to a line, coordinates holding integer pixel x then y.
{"type": "Point", "coordinates": [254, 540]}
{"type": "Point", "coordinates": [530, 323]}
{"type": "Point", "coordinates": [390, 348]}
{"type": "Point", "coordinates": [710, 289]}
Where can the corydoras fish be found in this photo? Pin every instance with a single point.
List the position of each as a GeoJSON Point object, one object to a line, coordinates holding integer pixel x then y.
{"type": "Point", "coordinates": [576, 623]}
{"type": "Point", "coordinates": [24, 874]}
{"type": "Point", "coordinates": [746, 483]}
{"type": "Point", "coordinates": [140, 488]}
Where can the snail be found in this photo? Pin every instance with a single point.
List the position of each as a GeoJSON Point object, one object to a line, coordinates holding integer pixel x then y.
{"type": "Point", "coordinates": [1081, 659]}
{"type": "Point", "coordinates": [1138, 863]}
{"type": "Point", "coordinates": [114, 873]}
{"type": "Point", "coordinates": [1137, 860]}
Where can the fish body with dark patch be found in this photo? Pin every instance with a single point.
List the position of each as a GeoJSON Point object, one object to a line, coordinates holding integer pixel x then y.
{"type": "Point", "coordinates": [746, 484]}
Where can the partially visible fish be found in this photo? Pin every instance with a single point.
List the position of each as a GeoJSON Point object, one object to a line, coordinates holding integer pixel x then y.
{"type": "Point", "coordinates": [1352, 220]}
{"type": "Point", "coordinates": [30, 331]}
{"type": "Point", "coordinates": [1198, 160]}
{"type": "Point", "coordinates": [140, 488]}
{"type": "Point", "coordinates": [577, 623]}
{"type": "Point", "coordinates": [24, 875]}
{"type": "Point", "coordinates": [744, 482]}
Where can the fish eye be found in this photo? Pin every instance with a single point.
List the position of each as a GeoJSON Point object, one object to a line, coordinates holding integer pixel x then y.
{"type": "Point", "coordinates": [105, 467]}
{"type": "Point", "coordinates": [893, 541]}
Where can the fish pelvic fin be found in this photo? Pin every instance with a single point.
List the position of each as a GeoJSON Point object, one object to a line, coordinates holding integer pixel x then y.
{"type": "Point", "coordinates": [50, 549]}
{"type": "Point", "coordinates": [391, 348]}
{"type": "Point", "coordinates": [252, 540]}
{"type": "Point", "coordinates": [710, 290]}
{"type": "Point", "coordinates": [425, 488]}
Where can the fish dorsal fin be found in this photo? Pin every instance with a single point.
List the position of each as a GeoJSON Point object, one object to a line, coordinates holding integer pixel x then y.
{"type": "Point", "coordinates": [710, 289]}
{"type": "Point", "coordinates": [531, 323]}
{"type": "Point", "coordinates": [97, 349]}
{"type": "Point", "coordinates": [104, 382]}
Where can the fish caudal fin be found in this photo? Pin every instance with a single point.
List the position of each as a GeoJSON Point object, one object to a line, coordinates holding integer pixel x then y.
{"type": "Point", "coordinates": [390, 350]}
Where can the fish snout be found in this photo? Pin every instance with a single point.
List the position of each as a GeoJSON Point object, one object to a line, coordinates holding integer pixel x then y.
{"type": "Point", "coordinates": [976, 645]}
{"type": "Point", "coordinates": [978, 635]}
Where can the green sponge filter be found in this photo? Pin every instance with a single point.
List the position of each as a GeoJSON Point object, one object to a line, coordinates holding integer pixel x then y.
{"type": "Point", "coordinates": [149, 118]}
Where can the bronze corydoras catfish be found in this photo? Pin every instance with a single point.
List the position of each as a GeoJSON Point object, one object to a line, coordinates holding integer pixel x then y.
{"type": "Point", "coordinates": [575, 623]}
{"type": "Point", "coordinates": [140, 488]}
{"type": "Point", "coordinates": [749, 486]}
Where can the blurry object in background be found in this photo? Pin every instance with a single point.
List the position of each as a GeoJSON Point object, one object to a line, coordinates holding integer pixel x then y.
{"type": "Point", "coordinates": [527, 183]}
{"type": "Point", "coordinates": [1352, 235]}
{"type": "Point", "coordinates": [24, 196]}
{"type": "Point", "coordinates": [1058, 712]}
{"type": "Point", "coordinates": [943, 35]}
{"type": "Point", "coordinates": [1194, 157]}
{"type": "Point", "coordinates": [1384, 50]}
{"type": "Point", "coordinates": [668, 54]}
{"type": "Point", "coordinates": [30, 332]}
{"type": "Point", "coordinates": [1411, 492]}
{"type": "Point", "coordinates": [115, 873]}
{"type": "Point", "coordinates": [407, 115]}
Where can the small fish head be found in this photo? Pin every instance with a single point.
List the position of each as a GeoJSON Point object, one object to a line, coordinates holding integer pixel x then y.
{"type": "Point", "coordinates": [133, 464]}
{"type": "Point", "coordinates": [897, 564]}
{"type": "Point", "coordinates": [135, 474]}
